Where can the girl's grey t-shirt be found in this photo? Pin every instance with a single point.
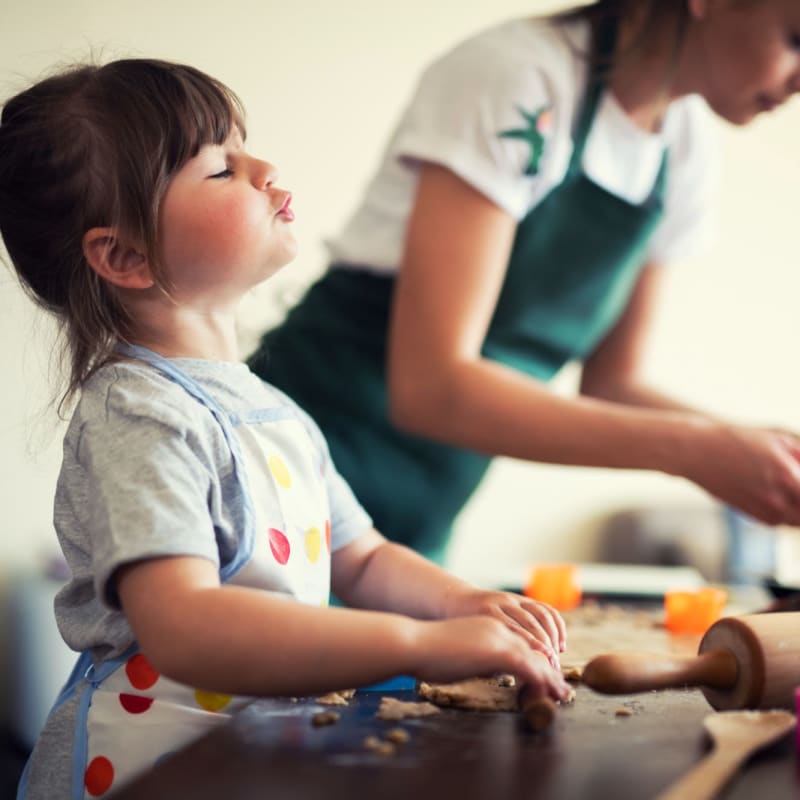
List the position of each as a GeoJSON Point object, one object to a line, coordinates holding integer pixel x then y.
{"type": "Point", "coordinates": [146, 473]}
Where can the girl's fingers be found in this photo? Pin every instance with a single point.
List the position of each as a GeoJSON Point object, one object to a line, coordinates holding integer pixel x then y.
{"type": "Point", "coordinates": [538, 643]}
{"type": "Point", "coordinates": [539, 619]}
{"type": "Point", "coordinates": [558, 621]}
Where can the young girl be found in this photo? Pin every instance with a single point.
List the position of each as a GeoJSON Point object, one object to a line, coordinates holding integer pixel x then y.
{"type": "Point", "coordinates": [536, 188]}
{"type": "Point", "coordinates": [199, 510]}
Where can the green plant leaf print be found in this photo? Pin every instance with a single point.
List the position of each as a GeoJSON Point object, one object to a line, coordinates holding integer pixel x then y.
{"type": "Point", "coordinates": [538, 124]}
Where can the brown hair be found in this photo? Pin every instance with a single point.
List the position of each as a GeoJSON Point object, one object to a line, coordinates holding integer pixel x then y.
{"type": "Point", "coordinates": [95, 146]}
{"type": "Point", "coordinates": [648, 14]}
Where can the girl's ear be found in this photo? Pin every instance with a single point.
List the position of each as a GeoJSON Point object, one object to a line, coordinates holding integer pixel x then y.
{"type": "Point", "coordinates": [115, 260]}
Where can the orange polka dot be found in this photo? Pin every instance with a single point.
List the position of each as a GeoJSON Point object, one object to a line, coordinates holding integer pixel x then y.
{"type": "Point", "coordinates": [135, 703]}
{"type": "Point", "coordinates": [328, 534]}
{"type": "Point", "coordinates": [99, 776]}
{"type": "Point", "coordinates": [211, 701]}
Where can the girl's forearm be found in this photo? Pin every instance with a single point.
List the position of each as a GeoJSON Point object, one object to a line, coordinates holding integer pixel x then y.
{"type": "Point", "coordinates": [242, 641]}
{"type": "Point", "coordinates": [395, 577]}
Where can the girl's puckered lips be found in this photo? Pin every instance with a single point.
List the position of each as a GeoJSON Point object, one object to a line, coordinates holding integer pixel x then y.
{"type": "Point", "coordinates": [285, 210]}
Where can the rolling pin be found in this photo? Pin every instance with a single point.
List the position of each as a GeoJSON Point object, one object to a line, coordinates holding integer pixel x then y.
{"type": "Point", "coordinates": [752, 661]}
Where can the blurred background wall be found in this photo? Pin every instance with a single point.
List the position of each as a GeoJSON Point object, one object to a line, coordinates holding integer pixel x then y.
{"type": "Point", "coordinates": [323, 83]}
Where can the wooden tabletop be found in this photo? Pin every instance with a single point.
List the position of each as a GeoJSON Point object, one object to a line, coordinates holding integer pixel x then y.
{"type": "Point", "coordinates": [271, 749]}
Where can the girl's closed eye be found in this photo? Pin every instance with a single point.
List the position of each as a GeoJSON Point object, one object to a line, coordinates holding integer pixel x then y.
{"type": "Point", "coordinates": [225, 173]}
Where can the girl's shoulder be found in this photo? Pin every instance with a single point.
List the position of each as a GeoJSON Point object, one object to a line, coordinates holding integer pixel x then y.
{"type": "Point", "coordinates": [126, 392]}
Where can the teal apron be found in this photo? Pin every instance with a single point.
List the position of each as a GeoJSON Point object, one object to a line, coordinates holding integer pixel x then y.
{"type": "Point", "coordinates": [575, 260]}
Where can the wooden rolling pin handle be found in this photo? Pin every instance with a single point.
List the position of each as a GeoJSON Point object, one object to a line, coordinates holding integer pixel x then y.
{"type": "Point", "coordinates": [626, 673]}
{"type": "Point", "coordinates": [538, 710]}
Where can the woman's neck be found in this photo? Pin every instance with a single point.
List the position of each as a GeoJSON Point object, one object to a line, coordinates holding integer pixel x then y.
{"type": "Point", "coordinates": [648, 76]}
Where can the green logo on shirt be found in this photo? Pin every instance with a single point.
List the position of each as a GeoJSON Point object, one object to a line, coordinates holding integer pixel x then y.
{"type": "Point", "coordinates": [538, 124]}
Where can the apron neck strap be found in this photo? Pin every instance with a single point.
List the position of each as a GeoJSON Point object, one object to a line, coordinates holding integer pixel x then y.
{"type": "Point", "coordinates": [605, 36]}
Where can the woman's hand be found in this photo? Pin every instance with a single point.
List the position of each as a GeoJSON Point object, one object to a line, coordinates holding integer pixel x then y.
{"type": "Point", "coordinates": [455, 649]}
{"type": "Point", "coordinates": [538, 624]}
{"type": "Point", "coordinates": [756, 470]}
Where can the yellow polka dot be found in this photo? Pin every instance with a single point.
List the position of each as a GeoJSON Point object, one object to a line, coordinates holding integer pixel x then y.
{"type": "Point", "coordinates": [280, 472]}
{"type": "Point", "coordinates": [313, 544]}
{"type": "Point", "coordinates": [211, 701]}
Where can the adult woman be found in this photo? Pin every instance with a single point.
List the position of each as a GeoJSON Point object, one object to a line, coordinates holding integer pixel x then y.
{"type": "Point", "coordinates": [543, 174]}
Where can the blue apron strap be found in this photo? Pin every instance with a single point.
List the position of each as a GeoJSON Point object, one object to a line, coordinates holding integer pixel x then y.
{"type": "Point", "coordinates": [170, 371]}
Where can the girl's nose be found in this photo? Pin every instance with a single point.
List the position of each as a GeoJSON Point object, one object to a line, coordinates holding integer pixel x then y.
{"type": "Point", "coordinates": [264, 174]}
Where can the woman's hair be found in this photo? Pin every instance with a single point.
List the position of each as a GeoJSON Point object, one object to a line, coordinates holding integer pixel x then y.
{"type": "Point", "coordinates": [649, 16]}
{"type": "Point", "coordinates": [96, 146]}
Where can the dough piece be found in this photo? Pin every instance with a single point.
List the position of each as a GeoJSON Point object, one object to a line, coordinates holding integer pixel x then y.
{"type": "Point", "coordinates": [398, 736]}
{"type": "Point", "coordinates": [375, 745]}
{"type": "Point", "coordinates": [622, 711]}
{"type": "Point", "coordinates": [392, 709]}
{"type": "Point", "coordinates": [324, 718]}
{"type": "Point", "coordinates": [572, 673]}
{"type": "Point", "coordinates": [339, 698]}
{"type": "Point", "coordinates": [477, 694]}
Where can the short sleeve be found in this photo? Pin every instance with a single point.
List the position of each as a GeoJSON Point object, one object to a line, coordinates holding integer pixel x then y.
{"type": "Point", "coordinates": [689, 222]}
{"type": "Point", "coordinates": [145, 481]}
{"type": "Point", "coordinates": [487, 117]}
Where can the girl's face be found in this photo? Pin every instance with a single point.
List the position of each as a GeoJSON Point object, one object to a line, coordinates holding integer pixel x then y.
{"type": "Point", "coordinates": [223, 225]}
{"type": "Point", "coordinates": [749, 55]}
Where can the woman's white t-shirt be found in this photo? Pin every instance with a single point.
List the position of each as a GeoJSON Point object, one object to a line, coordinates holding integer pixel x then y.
{"type": "Point", "coordinates": [482, 87]}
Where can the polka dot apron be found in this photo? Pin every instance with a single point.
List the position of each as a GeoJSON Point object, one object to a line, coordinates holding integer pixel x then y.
{"type": "Point", "coordinates": [130, 717]}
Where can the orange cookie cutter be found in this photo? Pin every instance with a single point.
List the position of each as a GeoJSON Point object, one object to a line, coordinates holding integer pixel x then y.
{"type": "Point", "coordinates": [693, 611]}
{"type": "Point", "coordinates": [555, 584]}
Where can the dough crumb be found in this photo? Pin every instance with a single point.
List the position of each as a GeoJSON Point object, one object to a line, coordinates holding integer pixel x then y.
{"type": "Point", "coordinates": [339, 698]}
{"type": "Point", "coordinates": [324, 718]}
{"type": "Point", "coordinates": [506, 680]}
{"type": "Point", "coordinates": [477, 694]}
{"type": "Point", "coordinates": [622, 711]}
{"type": "Point", "coordinates": [375, 745]}
{"type": "Point", "coordinates": [398, 735]}
{"type": "Point", "coordinates": [572, 673]}
{"type": "Point", "coordinates": [392, 709]}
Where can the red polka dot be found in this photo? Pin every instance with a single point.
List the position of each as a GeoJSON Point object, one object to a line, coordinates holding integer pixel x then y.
{"type": "Point", "coordinates": [328, 534]}
{"type": "Point", "coordinates": [99, 776]}
{"type": "Point", "coordinates": [279, 545]}
{"type": "Point", "coordinates": [134, 703]}
{"type": "Point", "coordinates": [140, 673]}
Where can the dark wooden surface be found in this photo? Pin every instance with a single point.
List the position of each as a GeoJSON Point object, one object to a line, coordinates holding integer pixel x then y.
{"type": "Point", "coordinates": [271, 750]}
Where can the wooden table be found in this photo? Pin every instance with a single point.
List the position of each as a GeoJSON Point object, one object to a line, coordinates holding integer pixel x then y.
{"type": "Point", "coordinates": [271, 750]}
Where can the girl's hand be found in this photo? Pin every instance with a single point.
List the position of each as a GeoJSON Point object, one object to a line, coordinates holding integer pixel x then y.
{"type": "Point", "coordinates": [539, 624]}
{"type": "Point", "coordinates": [754, 469]}
{"type": "Point", "coordinates": [456, 649]}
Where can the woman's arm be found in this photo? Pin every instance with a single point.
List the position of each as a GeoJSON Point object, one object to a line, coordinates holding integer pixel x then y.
{"type": "Point", "coordinates": [613, 371]}
{"type": "Point", "coordinates": [239, 640]}
{"type": "Point", "coordinates": [440, 386]}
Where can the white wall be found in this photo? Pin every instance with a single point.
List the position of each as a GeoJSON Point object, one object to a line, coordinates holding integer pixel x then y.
{"type": "Point", "coordinates": [323, 81]}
